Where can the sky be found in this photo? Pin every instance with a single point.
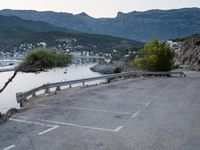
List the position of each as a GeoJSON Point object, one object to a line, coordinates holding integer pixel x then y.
{"type": "Point", "coordinates": [96, 8]}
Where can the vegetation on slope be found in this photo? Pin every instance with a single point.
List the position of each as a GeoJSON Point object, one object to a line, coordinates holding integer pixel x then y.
{"type": "Point", "coordinates": [155, 56]}
{"type": "Point", "coordinates": [91, 42]}
{"type": "Point", "coordinates": [15, 31]}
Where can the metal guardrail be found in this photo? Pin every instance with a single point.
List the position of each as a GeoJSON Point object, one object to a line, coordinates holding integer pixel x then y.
{"type": "Point", "coordinates": [22, 96]}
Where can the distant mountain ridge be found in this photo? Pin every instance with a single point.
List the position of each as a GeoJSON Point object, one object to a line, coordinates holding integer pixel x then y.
{"type": "Point", "coordinates": [14, 21]}
{"type": "Point", "coordinates": [13, 28]}
{"type": "Point", "coordinates": [15, 31]}
{"type": "Point", "coordinates": [142, 26]}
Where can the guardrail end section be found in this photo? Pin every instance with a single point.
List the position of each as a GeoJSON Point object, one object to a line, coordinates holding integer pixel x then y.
{"type": "Point", "coordinates": [184, 74]}
{"type": "Point", "coordinates": [20, 98]}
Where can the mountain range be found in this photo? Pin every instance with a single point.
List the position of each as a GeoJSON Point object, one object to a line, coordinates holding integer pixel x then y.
{"type": "Point", "coordinates": [141, 26]}
{"type": "Point", "coordinates": [15, 31]}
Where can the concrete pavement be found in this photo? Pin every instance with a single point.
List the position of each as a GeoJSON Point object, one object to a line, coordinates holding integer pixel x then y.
{"type": "Point", "coordinates": [135, 114]}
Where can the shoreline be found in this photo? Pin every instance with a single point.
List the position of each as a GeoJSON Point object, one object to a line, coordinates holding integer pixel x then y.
{"type": "Point", "coordinates": [6, 69]}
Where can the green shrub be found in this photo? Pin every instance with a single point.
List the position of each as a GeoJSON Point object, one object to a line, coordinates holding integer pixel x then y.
{"type": "Point", "coordinates": [39, 60]}
{"type": "Point", "coordinates": [42, 59]}
{"type": "Point", "coordinates": [155, 57]}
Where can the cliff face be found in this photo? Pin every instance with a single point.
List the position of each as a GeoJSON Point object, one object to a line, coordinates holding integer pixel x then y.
{"type": "Point", "coordinates": [189, 53]}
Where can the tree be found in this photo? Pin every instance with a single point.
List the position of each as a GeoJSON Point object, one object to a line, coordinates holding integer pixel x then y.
{"type": "Point", "coordinates": [40, 59]}
{"type": "Point", "coordinates": [155, 56]}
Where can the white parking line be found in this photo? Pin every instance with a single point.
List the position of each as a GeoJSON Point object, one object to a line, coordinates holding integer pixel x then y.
{"type": "Point", "coordinates": [30, 122]}
{"type": "Point", "coordinates": [117, 102]}
{"type": "Point", "coordinates": [135, 114]}
{"type": "Point", "coordinates": [36, 123]}
{"type": "Point", "coordinates": [48, 130]}
{"type": "Point", "coordinates": [9, 147]}
{"type": "Point", "coordinates": [23, 117]}
{"type": "Point", "coordinates": [80, 126]}
{"type": "Point", "coordinates": [91, 109]}
{"type": "Point", "coordinates": [118, 128]}
{"type": "Point", "coordinates": [148, 103]}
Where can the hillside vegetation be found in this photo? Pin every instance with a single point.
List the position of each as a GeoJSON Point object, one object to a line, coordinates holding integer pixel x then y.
{"type": "Point", "coordinates": [155, 56]}
{"type": "Point", "coordinates": [90, 42]}
{"type": "Point", "coordinates": [15, 31]}
{"type": "Point", "coordinates": [12, 29]}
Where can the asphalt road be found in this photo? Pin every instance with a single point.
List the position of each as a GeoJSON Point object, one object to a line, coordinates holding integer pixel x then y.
{"type": "Point", "coordinates": [136, 114]}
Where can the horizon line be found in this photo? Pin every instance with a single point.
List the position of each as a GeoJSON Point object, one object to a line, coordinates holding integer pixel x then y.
{"type": "Point", "coordinates": [74, 14]}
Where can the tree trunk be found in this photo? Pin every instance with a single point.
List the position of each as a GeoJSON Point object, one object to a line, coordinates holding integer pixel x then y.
{"type": "Point", "coordinates": [9, 80]}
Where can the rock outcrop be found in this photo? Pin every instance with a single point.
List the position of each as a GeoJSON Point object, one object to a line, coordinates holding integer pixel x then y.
{"type": "Point", "coordinates": [110, 67]}
{"type": "Point", "coordinates": [188, 53]}
{"type": "Point", "coordinates": [5, 117]}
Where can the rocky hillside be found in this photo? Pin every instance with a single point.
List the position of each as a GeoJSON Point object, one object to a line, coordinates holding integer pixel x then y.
{"type": "Point", "coordinates": [141, 26]}
{"type": "Point", "coordinates": [188, 53]}
{"type": "Point", "coordinates": [123, 65]}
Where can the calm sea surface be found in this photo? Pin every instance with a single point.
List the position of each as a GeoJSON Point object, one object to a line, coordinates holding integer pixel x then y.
{"type": "Point", "coordinates": [26, 81]}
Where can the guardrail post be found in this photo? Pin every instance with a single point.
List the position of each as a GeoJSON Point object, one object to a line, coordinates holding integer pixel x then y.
{"type": "Point", "coordinates": [184, 74]}
{"type": "Point", "coordinates": [181, 74]}
{"type": "Point", "coordinates": [34, 95]}
{"type": "Point", "coordinates": [20, 98]}
{"type": "Point", "coordinates": [47, 91]}
{"type": "Point", "coordinates": [109, 80]}
{"type": "Point", "coordinates": [58, 88]}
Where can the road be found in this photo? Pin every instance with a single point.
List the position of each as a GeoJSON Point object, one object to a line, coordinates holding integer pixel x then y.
{"type": "Point", "coordinates": [135, 114]}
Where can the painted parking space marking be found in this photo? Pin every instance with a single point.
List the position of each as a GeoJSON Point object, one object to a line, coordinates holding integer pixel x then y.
{"type": "Point", "coordinates": [82, 126]}
{"type": "Point", "coordinates": [48, 130]}
{"type": "Point", "coordinates": [148, 103]}
{"type": "Point", "coordinates": [91, 109]}
{"type": "Point", "coordinates": [52, 127]}
{"type": "Point", "coordinates": [118, 102]}
{"type": "Point", "coordinates": [9, 147]}
{"type": "Point", "coordinates": [22, 117]}
{"type": "Point", "coordinates": [135, 114]}
{"type": "Point", "coordinates": [57, 124]}
{"type": "Point", "coordinates": [118, 128]}
{"type": "Point", "coordinates": [29, 122]}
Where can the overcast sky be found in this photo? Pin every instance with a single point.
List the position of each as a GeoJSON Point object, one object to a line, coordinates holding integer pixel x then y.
{"type": "Point", "coordinates": [97, 8]}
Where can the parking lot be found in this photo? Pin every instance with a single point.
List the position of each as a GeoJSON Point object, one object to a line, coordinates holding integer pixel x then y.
{"type": "Point", "coordinates": [135, 114]}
